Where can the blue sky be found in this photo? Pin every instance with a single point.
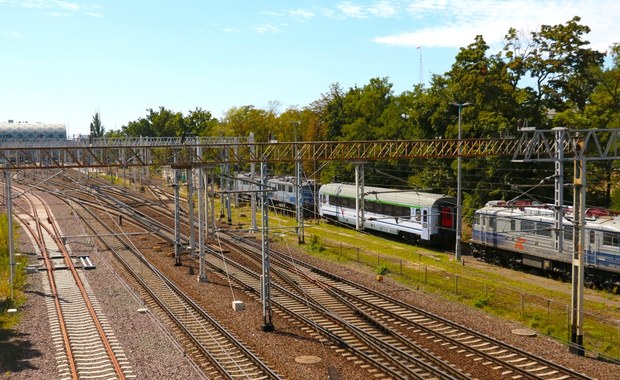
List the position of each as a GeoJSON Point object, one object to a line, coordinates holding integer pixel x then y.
{"type": "Point", "coordinates": [62, 61]}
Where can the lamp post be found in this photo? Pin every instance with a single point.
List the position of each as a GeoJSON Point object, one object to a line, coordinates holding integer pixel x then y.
{"type": "Point", "coordinates": [457, 248]}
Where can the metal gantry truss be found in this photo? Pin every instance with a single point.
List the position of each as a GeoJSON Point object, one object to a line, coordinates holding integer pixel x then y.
{"type": "Point", "coordinates": [531, 145]}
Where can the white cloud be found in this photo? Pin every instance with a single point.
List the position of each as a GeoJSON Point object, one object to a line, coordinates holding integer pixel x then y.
{"type": "Point", "coordinates": [454, 24]}
{"type": "Point", "coordinates": [231, 30]}
{"type": "Point", "coordinates": [68, 6]}
{"type": "Point", "coordinates": [383, 9]}
{"type": "Point", "coordinates": [56, 7]}
{"type": "Point", "coordinates": [351, 10]}
{"type": "Point", "coordinates": [267, 28]}
{"type": "Point", "coordinates": [301, 14]}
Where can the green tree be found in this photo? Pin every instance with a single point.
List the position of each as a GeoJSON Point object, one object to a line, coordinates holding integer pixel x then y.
{"type": "Point", "coordinates": [240, 121]}
{"type": "Point", "coordinates": [560, 63]}
{"type": "Point", "coordinates": [363, 109]}
{"type": "Point", "coordinates": [96, 128]}
{"type": "Point", "coordinates": [161, 123]}
{"type": "Point", "coordinates": [330, 110]}
{"type": "Point", "coordinates": [200, 123]}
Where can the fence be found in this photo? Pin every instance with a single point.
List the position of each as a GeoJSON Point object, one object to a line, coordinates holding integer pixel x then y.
{"type": "Point", "coordinates": [547, 316]}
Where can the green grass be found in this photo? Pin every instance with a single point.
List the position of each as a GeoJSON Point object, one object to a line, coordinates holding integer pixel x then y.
{"type": "Point", "coordinates": [8, 320]}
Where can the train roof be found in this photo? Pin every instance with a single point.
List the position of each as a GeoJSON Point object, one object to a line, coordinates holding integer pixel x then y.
{"type": "Point", "coordinates": [290, 180]}
{"type": "Point", "coordinates": [544, 213]}
{"type": "Point", "coordinates": [386, 195]}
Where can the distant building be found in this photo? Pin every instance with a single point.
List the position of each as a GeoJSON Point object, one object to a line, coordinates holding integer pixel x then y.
{"type": "Point", "coordinates": [32, 131]}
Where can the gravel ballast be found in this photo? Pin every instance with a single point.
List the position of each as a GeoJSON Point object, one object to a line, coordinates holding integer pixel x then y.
{"type": "Point", "coordinates": [154, 354]}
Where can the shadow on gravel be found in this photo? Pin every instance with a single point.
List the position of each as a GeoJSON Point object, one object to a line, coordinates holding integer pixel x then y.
{"type": "Point", "coordinates": [16, 350]}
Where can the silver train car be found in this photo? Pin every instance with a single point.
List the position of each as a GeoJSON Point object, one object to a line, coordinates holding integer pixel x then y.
{"type": "Point", "coordinates": [523, 236]}
{"type": "Point", "coordinates": [414, 216]}
{"type": "Point", "coordinates": [283, 191]}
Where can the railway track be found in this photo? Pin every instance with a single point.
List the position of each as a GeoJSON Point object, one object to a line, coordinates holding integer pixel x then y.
{"type": "Point", "coordinates": [389, 355]}
{"type": "Point", "coordinates": [385, 325]}
{"type": "Point", "coordinates": [388, 313]}
{"type": "Point", "coordinates": [214, 349]}
{"type": "Point", "coordinates": [390, 359]}
{"type": "Point", "coordinates": [85, 343]}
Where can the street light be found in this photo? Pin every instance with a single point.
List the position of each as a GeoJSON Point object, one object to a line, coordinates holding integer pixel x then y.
{"type": "Point", "coordinates": [457, 249]}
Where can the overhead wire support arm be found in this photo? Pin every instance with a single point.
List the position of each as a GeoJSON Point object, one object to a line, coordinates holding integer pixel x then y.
{"type": "Point", "coordinates": [540, 145]}
{"type": "Point", "coordinates": [531, 145]}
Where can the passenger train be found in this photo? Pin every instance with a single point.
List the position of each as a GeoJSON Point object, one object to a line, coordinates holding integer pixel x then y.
{"type": "Point", "coordinates": [414, 216]}
{"type": "Point", "coordinates": [283, 191]}
{"type": "Point", "coordinates": [523, 235]}
{"type": "Point", "coordinates": [518, 234]}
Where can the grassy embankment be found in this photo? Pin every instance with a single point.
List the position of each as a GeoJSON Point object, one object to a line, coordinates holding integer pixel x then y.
{"type": "Point", "coordinates": [7, 320]}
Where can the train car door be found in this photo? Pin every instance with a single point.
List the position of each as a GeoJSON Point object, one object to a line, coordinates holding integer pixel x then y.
{"type": "Point", "coordinates": [484, 229]}
{"type": "Point", "coordinates": [592, 246]}
{"type": "Point", "coordinates": [445, 217]}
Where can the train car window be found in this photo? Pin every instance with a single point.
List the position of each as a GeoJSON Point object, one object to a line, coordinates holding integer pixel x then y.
{"type": "Point", "coordinates": [336, 200]}
{"type": "Point", "coordinates": [477, 219]}
{"type": "Point", "coordinates": [528, 227]}
{"type": "Point", "coordinates": [543, 229]}
{"type": "Point", "coordinates": [370, 206]}
{"type": "Point", "coordinates": [379, 208]}
{"type": "Point", "coordinates": [418, 214]}
{"type": "Point", "coordinates": [350, 202]}
{"type": "Point", "coordinates": [513, 225]}
{"type": "Point", "coordinates": [425, 216]}
{"type": "Point", "coordinates": [611, 239]}
{"type": "Point", "coordinates": [404, 212]}
{"type": "Point", "coordinates": [592, 237]}
{"type": "Point", "coordinates": [568, 233]}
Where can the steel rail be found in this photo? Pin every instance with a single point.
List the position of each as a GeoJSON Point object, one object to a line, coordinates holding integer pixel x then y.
{"type": "Point", "coordinates": [179, 293]}
{"type": "Point", "coordinates": [387, 351]}
{"type": "Point", "coordinates": [100, 330]}
{"type": "Point", "coordinates": [55, 234]}
{"type": "Point", "coordinates": [38, 235]}
{"type": "Point", "coordinates": [282, 259]}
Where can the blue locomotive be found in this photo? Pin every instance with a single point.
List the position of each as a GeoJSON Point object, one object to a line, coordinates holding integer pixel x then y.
{"type": "Point", "coordinates": [523, 235]}
{"type": "Point", "coordinates": [282, 192]}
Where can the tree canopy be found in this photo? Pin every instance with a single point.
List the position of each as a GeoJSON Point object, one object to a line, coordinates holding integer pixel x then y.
{"type": "Point", "coordinates": [543, 79]}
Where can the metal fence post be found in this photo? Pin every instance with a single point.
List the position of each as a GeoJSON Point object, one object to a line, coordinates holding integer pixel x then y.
{"type": "Point", "coordinates": [456, 284]}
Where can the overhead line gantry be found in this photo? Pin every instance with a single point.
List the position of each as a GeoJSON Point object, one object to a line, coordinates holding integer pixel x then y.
{"type": "Point", "coordinates": [530, 146]}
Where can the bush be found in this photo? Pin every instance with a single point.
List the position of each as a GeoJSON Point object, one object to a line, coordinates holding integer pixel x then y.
{"type": "Point", "coordinates": [316, 245]}
{"type": "Point", "coordinates": [483, 301]}
{"type": "Point", "coordinates": [381, 270]}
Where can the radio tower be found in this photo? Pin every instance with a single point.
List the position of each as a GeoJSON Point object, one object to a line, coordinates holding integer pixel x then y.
{"type": "Point", "coordinates": [421, 72]}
